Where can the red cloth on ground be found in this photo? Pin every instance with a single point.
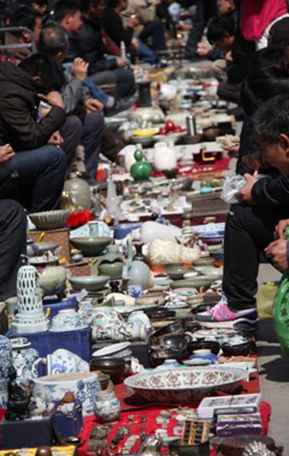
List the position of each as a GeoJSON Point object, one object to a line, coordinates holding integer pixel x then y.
{"type": "Point", "coordinates": [256, 15]}
{"type": "Point", "coordinates": [149, 425]}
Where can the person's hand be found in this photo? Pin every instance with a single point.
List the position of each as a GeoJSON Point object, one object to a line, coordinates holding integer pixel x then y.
{"type": "Point", "coordinates": [280, 228]}
{"type": "Point", "coordinates": [133, 21]}
{"type": "Point", "coordinates": [203, 48]}
{"type": "Point", "coordinates": [135, 43]}
{"type": "Point", "coordinates": [92, 104]}
{"type": "Point", "coordinates": [185, 27]}
{"type": "Point", "coordinates": [121, 62]}
{"type": "Point", "coordinates": [277, 251]}
{"type": "Point", "coordinates": [245, 194]}
{"type": "Point", "coordinates": [80, 68]}
{"type": "Point", "coordinates": [6, 153]}
{"type": "Point", "coordinates": [229, 57]}
{"type": "Point", "coordinates": [53, 98]}
{"type": "Point", "coordinates": [56, 139]}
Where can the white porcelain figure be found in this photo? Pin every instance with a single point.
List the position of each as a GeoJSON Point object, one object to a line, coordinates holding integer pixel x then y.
{"type": "Point", "coordinates": [165, 157]}
{"type": "Point", "coordinates": [170, 252]}
{"type": "Point", "coordinates": [30, 317]}
{"type": "Point", "coordinates": [154, 230]}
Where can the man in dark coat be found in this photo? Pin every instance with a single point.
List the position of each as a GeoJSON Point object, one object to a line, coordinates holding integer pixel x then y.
{"type": "Point", "coordinates": [34, 172]}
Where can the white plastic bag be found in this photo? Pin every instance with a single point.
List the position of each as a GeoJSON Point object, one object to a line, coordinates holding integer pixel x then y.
{"type": "Point", "coordinates": [232, 186]}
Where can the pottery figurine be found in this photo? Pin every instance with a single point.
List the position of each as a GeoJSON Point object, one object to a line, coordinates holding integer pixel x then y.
{"type": "Point", "coordinates": [5, 357]}
{"type": "Point", "coordinates": [165, 157]}
{"type": "Point", "coordinates": [76, 194]}
{"type": "Point", "coordinates": [107, 406]}
{"type": "Point", "coordinates": [141, 169]}
{"type": "Point", "coordinates": [155, 230]}
{"type": "Point", "coordinates": [170, 252]}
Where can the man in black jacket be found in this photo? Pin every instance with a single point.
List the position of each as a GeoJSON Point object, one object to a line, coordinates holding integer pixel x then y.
{"type": "Point", "coordinates": [252, 225]}
{"type": "Point", "coordinates": [34, 171]}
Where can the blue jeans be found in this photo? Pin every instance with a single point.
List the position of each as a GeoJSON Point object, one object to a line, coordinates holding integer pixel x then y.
{"type": "Point", "coordinates": [34, 178]}
{"type": "Point", "coordinates": [146, 54]}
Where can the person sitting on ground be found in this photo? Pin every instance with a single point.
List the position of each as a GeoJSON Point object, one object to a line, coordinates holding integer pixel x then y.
{"type": "Point", "coordinates": [226, 8]}
{"type": "Point", "coordinates": [90, 47]}
{"type": "Point", "coordinates": [250, 226]}
{"type": "Point", "coordinates": [148, 27]}
{"type": "Point", "coordinates": [13, 228]}
{"type": "Point", "coordinates": [32, 164]}
{"type": "Point", "coordinates": [114, 27]}
{"type": "Point", "coordinates": [223, 33]}
{"type": "Point", "coordinates": [85, 122]}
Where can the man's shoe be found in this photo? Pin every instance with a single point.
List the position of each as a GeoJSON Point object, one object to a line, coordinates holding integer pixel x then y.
{"type": "Point", "coordinates": [221, 316]}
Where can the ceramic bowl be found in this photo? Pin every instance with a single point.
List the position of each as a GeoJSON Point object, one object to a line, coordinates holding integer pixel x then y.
{"type": "Point", "coordinates": [241, 349]}
{"type": "Point", "coordinates": [44, 247]}
{"type": "Point", "coordinates": [89, 283]}
{"type": "Point", "coordinates": [116, 368]}
{"type": "Point", "coordinates": [211, 345]}
{"type": "Point", "coordinates": [91, 246]}
{"type": "Point", "coordinates": [51, 389]}
{"type": "Point", "coordinates": [196, 282]}
{"type": "Point", "coordinates": [49, 220]}
{"type": "Point", "coordinates": [183, 385]}
{"type": "Point", "coordinates": [175, 271]}
{"type": "Point", "coordinates": [52, 280]}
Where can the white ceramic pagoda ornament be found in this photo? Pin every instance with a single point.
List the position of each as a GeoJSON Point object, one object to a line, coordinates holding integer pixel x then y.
{"type": "Point", "coordinates": [30, 317]}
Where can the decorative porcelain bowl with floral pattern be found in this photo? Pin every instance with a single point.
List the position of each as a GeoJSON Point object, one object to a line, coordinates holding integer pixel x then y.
{"type": "Point", "coordinates": [185, 384]}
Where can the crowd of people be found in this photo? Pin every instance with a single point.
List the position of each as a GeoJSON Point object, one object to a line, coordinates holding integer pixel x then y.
{"type": "Point", "coordinates": [74, 70]}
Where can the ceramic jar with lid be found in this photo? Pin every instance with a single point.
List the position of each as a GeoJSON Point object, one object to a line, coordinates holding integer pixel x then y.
{"type": "Point", "coordinates": [107, 406]}
{"type": "Point", "coordinates": [165, 157]}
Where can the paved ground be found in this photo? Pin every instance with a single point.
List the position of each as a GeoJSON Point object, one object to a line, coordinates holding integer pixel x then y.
{"type": "Point", "coordinates": [275, 383]}
{"type": "Point", "coordinates": [275, 377]}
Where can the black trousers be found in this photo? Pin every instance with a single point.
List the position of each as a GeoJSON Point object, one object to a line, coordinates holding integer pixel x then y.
{"type": "Point", "coordinates": [12, 245]}
{"type": "Point", "coordinates": [248, 232]}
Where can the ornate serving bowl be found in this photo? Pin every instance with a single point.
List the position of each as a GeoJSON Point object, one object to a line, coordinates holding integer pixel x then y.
{"type": "Point", "coordinates": [184, 384]}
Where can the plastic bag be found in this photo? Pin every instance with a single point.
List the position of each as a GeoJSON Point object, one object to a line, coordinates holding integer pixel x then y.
{"type": "Point", "coordinates": [232, 186]}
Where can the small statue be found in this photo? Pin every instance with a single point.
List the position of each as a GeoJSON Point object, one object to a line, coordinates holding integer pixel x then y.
{"type": "Point", "coordinates": [18, 399]}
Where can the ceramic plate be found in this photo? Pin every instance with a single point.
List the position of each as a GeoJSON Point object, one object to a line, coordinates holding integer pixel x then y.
{"type": "Point", "coordinates": [111, 349]}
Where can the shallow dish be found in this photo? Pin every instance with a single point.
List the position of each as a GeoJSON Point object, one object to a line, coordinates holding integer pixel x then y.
{"type": "Point", "coordinates": [91, 246]}
{"type": "Point", "coordinates": [49, 220]}
{"type": "Point", "coordinates": [111, 349]}
{"type": "Point", "coordinates": [184, 384]}
{"type": "Point", "coordinates": [195, 282]}
{"type": "Point", "coordinates": [89, 283]}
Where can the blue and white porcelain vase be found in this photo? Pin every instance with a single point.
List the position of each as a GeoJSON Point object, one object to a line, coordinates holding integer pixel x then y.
{"type": "Point", "coordinates": [5, 357]}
